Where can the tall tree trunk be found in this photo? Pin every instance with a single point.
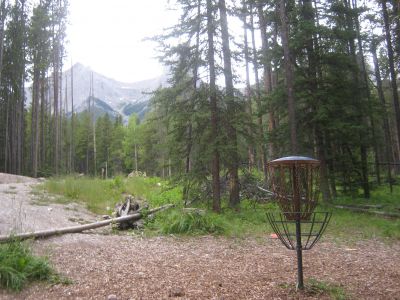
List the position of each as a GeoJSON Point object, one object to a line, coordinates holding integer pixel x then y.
{"type": "Point", "coordinates": [267, 83]}
{"type": "Point", "coordinates": [359, 104]}
{"type": "Point", "coordinates": [61, 117]}
{"type": "Point", "coordinates": [20, 125]}
{"type": "Point", "coordinates": [6, 142]}
{"type": "Point", "coordinates": [35, 121]}
{"type": "Point", "coordinates": [67, 136]}
{"type": "Point", "coordinates": [72, 141]}
{"type": "Point", "coordinates": [289, 77]}
{"type": "Point", "coordinates": [393, 74]}
{"type": "Point", "coordinates": [94, 132]}
{"type": "Point", "coordinates": [3, 14]}
{"type": "Point", "coordinates": [381, 95]}
{"type": "Point", "coordinates": [195, 80]}
{"type": "Point", "coordinates": [189, 145]}
{"type": "Point", "coordinates": [230, 98]}
{"type": "Point", "coordinates": [43, 119]}
{"type": "Point", "coordinates": [309, 18]}
{"type": "Point", "coordinates": [367, 92]}
{"type": "Point", "coordinates": [214, 108]}
{"type": "Point", "coordinates": [396, 19]}
{"type": "Point", "coordinates": [250, 148]}
{"type": "Point", "coordinates": [56, 109]}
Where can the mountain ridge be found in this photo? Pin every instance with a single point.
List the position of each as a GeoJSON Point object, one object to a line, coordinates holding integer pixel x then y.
{"type": "Point", "coordinates": [122, 97]}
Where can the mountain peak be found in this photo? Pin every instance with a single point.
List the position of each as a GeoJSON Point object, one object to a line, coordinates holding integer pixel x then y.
{"type": "Point", "coordinates": [120, 96]}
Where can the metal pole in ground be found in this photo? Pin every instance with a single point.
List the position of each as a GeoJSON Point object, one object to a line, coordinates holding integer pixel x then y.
{"type": "Point", "coordinates": [300, 284]}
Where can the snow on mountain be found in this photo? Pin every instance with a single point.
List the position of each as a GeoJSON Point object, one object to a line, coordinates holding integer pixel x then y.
{"type": "Point", "coordinates": [124, 98]}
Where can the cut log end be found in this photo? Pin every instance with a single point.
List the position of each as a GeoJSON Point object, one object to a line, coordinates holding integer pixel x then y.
{"type": "Point", "coordinates": [131, 206]}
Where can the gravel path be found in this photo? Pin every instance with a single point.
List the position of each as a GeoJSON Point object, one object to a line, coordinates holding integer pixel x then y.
{"type": "Point", "coordinates": [133, 267]}
{"type": "Point", "coordinates": [24, 208]}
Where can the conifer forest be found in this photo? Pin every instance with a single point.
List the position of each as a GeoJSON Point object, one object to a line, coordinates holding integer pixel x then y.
{"type": "Point", "coordinates": [249, 81]}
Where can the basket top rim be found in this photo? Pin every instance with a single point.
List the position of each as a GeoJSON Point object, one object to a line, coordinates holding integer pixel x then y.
{"type": "Point", "coordinates": [292, 160]}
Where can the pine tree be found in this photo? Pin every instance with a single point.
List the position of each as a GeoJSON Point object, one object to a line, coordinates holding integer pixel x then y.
{"type": "Point", "coordinates": [233, 159]}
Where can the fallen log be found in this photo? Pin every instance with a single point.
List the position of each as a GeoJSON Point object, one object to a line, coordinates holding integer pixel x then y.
{"type": "Point", "coordinates": [80, 228]}
{"type": "Point", "coordinates": [272, 194]}
{"type": "Point", "coordinates": [367, 211]}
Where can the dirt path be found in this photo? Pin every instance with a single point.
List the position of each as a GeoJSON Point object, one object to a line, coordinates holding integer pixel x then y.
{"type": "Point", "coordinates": [24, 208]}
{"type": "Point", "coordinates": [132, 267]}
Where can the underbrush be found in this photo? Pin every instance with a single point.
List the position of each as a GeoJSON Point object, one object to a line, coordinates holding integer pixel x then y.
{"type": "Point", "coordinates": [100, 196]}
{"type": "Point", "coordinates": [178, 222]}
{"type": "Point", "coordinates": [381, 198]}
{"type": "Point", "coordinates": [249, 219]}
{"type": "Point", "coordinates": [18, 266]}
{"type": "Point", "coordinates": [357, 225]}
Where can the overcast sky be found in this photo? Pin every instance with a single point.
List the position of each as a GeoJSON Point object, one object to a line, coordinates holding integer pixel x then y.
{"type": "Point", "coordinates": [108, 36]}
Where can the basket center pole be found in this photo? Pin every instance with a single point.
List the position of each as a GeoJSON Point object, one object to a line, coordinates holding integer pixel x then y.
{"type": "Point", "coordinates": [300, 283]}
{"type": "Point", "coordinates": [297, 211]}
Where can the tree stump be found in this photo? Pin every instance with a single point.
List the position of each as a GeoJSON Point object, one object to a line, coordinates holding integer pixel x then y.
{"type": "Point", "coordinates": [131, 206]}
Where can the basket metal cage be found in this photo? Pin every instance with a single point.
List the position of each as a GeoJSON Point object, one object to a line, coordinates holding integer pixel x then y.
{"type": "Point", "coordinates": [311, 229]}
{"type": "Point", "coordinates": [294, 182]}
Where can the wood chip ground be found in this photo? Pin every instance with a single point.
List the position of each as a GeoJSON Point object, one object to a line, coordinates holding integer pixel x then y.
{"type": "Point", "coordinates": [133, 267]}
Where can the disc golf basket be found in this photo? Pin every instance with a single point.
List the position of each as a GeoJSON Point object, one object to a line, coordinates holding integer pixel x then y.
{"type": "Point", "coordinates": [294, 183]}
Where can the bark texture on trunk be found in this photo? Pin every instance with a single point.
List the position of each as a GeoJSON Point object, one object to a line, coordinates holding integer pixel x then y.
{"type": "Point", "coordinates": [230, 99]}
{"type": "Point", "coordinates": [214, 109]}
{"type": "Point", "coordinates": [289, 77]}
{"type": "Point", "coordinates": [393, 74]}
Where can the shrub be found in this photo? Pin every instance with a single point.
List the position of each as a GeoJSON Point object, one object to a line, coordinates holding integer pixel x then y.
{"type": "Point", "coordinates": [19, 266]}
{"type": "Point", "coordinates": [178, 222]}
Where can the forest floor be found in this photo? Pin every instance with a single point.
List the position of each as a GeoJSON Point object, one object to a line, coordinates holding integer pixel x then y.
{"type": "Point", "coordinates": [130, 266]}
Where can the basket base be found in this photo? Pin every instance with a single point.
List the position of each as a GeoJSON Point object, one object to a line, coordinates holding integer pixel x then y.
{"type": "Point", "coordinates": [312, 228]}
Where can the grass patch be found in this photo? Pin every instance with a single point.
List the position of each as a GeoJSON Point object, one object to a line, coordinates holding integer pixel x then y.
{"type": "Point", "coordinates": [177, 222]}
{"type": "Point", "coordinates": [100, 196]}
{"type": "Point", "coordinates": [96, 194]}
{"type": "Point", "coordinates": [381, 196]}
{"type": "Point", "coordinates": [18, 266]}
{"type": "Point", "coordinates": [42, 198]}
{"type": "Point", "coordinates": [354, 225]}
{"type": "Point", "coordinates": [317, 288]}
{"type": "Point", "coordinates": [358, 226]}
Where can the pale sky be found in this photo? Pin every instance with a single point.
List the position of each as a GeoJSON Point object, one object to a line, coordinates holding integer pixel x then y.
{"type": "Point", "coordinates": [107, 36]}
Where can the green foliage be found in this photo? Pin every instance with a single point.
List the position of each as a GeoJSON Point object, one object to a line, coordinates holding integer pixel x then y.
{"type": "Point", "coordinates": [18, 266]}
{"type": "Point", "coordinates": [180, 222]}
{"type": "Point", "coordinates": [316, 288]}
{"type": "Point", "coordinates": [98, 195]}
{"type": "Point", "coordinates": [380, 195]}
{"type": "Point", "coordinates": [356, 225]}
{"type": "Point", "coordinates": [248, 219]}
{"type": "Point", "coordinates": [346, 225]}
